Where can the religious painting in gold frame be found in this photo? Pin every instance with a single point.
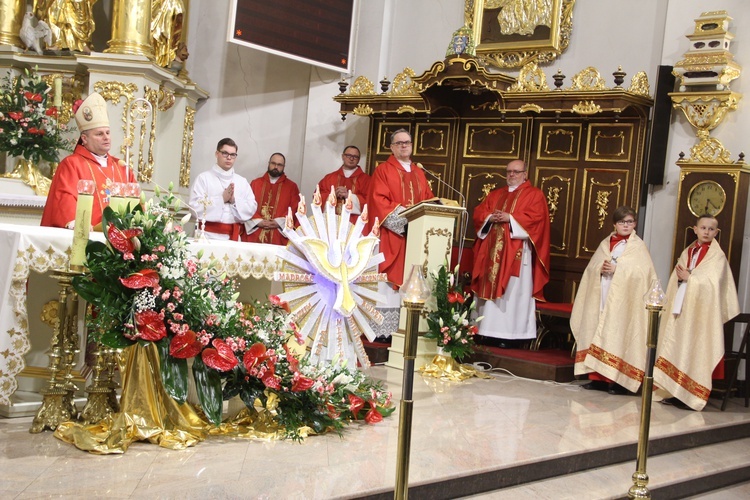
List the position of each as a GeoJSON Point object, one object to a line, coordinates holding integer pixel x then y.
{"type": "Point", "coordinates": [512, 33]}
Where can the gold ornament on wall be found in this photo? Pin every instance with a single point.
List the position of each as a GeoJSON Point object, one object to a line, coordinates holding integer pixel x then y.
{"type": "Point", "coordinates": [402, 84]}
{"type": "Point", "coordinates": [187, 146]}
{"type": "Point", "coordinates": [362, 86]}
{"type": "Point", "coordinates": [531, 78]}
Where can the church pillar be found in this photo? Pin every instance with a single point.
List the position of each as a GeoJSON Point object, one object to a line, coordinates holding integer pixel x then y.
{"type": "Point", "coordinates": [131, 28]}
{"type": "Point", "coordinates": [11, 17]}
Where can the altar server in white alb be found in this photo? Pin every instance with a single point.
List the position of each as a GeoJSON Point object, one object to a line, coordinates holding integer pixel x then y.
{"type": "Point", "coordinates": [609, 320]}
{"type": "Point", "coordinates": [701, 297]}
{"type": "Point", "coordinates": [223, 196]}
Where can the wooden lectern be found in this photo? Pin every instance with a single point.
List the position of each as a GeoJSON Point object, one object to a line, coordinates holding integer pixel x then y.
{"type": "Point", "coordinates": [429, 242]}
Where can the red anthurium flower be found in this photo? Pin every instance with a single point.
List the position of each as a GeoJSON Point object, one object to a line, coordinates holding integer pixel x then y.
{"type": "Point", "coordinates": [355, 404]}
{"type": "Point", "coordinates": [275, 300]}
{"type": "Point", "coordinates": [145, 278]}
{"type": "Point", "coordinates": [332, 411]}
{"type": "Point", "coordinates": [270, 379]}
{"type": "Point", "coordinates": [51, 111]}
{"type": "Point", "coordinates": [301, 383]}
{"type": "Point", "coordinates": [36, 131]}
{"type": "Point", "coordinates": [254, 356]}
{"type": "Point", "coordinates": [185, 345]}
{"type": "Point", "coordinates": [454, 297]}
{"type": "Point", "coordinates": [30, 96]}
{"type": "Point", "coordinates": [150, 325]}
{"type": "Point", "coordinates": [15, 115]}
{"type": "Point", "coordinates": [473, 329]}
{"type": "Point", "coordinates": [373, 416]}
{"type": "Point", "coordinates": [121, 240]}
{"type": "Point", "coordinates": [220, 357]}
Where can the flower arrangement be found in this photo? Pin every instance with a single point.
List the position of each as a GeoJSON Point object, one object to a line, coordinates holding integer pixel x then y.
{"type": "Point", "coordinates": [449, 318]}
{"type": "Point", "coordinates": [28, 124]}
{"type": "Point", "coordinates": [147, 287]}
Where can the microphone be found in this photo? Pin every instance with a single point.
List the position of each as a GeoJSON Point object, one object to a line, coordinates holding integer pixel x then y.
{"type": "Point", "coordinates": [441, 181]}
{"type": "Point", "coordinates": [464, 222]}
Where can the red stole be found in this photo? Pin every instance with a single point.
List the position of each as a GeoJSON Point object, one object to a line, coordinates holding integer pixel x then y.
{"type": "Point", "coordinates": [358, 183]}
{"type": "Point", "coordinates": [274, 201]}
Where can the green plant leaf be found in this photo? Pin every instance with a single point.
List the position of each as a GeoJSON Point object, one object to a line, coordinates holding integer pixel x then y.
{"type": "Point", "coordinates": [208, 385]}
{"type": "Point", "coordinates": [174, 372]}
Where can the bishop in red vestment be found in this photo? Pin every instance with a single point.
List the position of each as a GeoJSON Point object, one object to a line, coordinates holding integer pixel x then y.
{"type": "Point", "coordinates": [349, 177]}
{"type": "Point", "coordinates": [396, 185]}
{"type": "Point", "coordinates": [91, 161]}
{"type": "Point", "coordinates": [275, 193]}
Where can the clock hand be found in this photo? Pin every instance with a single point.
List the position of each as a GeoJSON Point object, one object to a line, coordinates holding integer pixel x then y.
{"type": "Point", "coordinates": [708, 202]}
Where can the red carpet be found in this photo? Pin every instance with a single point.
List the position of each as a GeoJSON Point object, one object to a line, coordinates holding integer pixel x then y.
{"type": "Point", "coordinates": [554, 357]}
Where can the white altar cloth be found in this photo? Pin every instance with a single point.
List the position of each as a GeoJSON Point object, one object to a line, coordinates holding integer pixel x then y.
{"type": "Point", "coordinates": [42, 249]}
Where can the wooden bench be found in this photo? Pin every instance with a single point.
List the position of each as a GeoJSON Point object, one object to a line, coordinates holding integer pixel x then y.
{"type": "Point", "coordinates": [545, 311]}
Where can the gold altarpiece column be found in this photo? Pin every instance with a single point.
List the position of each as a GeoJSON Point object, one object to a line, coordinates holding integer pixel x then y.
{"type": "Point", "coordinates": [11, 17]}
{"type": "Point", "coordinates": [131, 28]}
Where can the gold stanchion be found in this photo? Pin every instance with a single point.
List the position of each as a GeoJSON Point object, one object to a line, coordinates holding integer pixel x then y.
{"type": "Point", "coordinates": [654, 299]}
{"type": "Point", "coordinates": [414, 292]}
{"type": "Point", "coordinates": [57, 403]}
{"type": "Point", "coordinates": [102, 399]}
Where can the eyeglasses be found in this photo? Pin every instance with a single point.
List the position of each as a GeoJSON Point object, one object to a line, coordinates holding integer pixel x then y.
{"type": "Point", "coordinates": [628, 222]}
{"type": "Point", "coordinates": [399, 144]}
{"type": "Point", "coordinates": [351, 157]}
{"type": "Point", "coordinates": [514, 172]}
{"type": "Point", "coordinates": [228, 155]}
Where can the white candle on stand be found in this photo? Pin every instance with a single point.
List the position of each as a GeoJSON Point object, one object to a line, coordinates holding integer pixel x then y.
{"type": "Point", "coordinates": [58, 93]}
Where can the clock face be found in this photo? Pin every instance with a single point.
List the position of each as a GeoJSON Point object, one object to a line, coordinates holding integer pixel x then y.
{"type": "Point", "coordinates": [706, 197]}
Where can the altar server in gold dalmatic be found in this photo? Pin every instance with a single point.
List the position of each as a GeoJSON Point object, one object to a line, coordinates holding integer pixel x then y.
{"type": "Point", "coordinates": [701, 297]}
{"type": "Point", "coordinates": [609, 320]}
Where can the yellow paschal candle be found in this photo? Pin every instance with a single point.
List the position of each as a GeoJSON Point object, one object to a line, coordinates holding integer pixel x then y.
{"type": "Point", "coordinates": [84, 207]}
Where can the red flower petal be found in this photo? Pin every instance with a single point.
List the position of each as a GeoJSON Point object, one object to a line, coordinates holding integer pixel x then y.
{"type": "Point", "coordinates": [355, 404]}
{"type": "Point", "coordinates": [291, 359]}
{"type": "Point", "coordinates": [373, 416]}
{"type": "Point", "coordinates": [119, 240]}
{"type": "Point", "coordinates": [454, 297]}
{"type": "Point", "coordinates": [302, 383]}
{"type": "Point", "coordinates": [145, 278]}
{"type": "Point", "coordinates": [150, 325]}
{"type": "Point", "coordinates": [185, 345]}
{"type": "Point", "coordinates": [253, 356]}
{"type": "Point", "coordinates": [221, 357]}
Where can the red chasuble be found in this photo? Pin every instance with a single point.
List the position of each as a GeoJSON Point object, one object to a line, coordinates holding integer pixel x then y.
{"type": "Point", "coordinates": [63, 193]}
{"type": "Point", "coordinates": [390, 187]}
{"type": "Point", "coordinates": [358, 183]}
{"type": "Point", "coordinates": [497, 257]}
{"type": "Point", "coordinates": [274, 201]}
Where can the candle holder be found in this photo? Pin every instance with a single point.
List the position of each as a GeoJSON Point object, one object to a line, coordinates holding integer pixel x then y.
{"type": "Point", "coordinates": [414, 292]}
{"type": "Point", "coordinates": [654, 300]}
{"type": "Point", "coordinates": [102, 399]}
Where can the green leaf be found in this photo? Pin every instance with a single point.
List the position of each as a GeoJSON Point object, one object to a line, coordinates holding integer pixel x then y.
{"type": "Point", "coordinates": [208, 385]}
{"type": "Point", "coordinates": [174, 372]}
{"type": "Point", "coordinates": [115, 340]}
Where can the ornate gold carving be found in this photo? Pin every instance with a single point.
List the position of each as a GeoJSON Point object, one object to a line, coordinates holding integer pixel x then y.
{"type": "Point", "coordinates": [28, 173]}
{"type": "Point", "coordinates": [619, 135]}
{"type": "Point", "coordinates": [486, 106]}
{"type": "Point", "coordinates": [709, 150]}
{"type": "Point", "coordinates": [602, 202]}
{"type": "Point", "coordinates": [446, 233]}
{"type": "Point", "coordinates": [518, 17]}
{"type": "Point", "coordinates": [72, 89]}
{"type": "Point", "coordinates": [114, 91]}
{"type": "Point", "coordinates": [705, 110]}
{"type": "Point", "coordinates": [553, 198]}
{"type": "Point", "coordinates": [560, 131]}
{"type": "Point", "coordinates": [187, 146]}
{"type": "Point", "coordinates": [146, 163]}
{"type": "Point", "coordinates": [49, 314]}
{"type": "Point", "coordinates": [363, 110]}
{"type": "Point", "coordinates": [588, 79]}
{"type": "Point", "coordinates": [406, 109]}
{"type": "Point", "coordinates": [525, 108]}
{"type": "Point", "coordinates": [402, 84]}
{"type": "Point", "coordinates": [433, 132]}
{"type": "Point", "coordinates": [639, 84]}
{"type": "Point", "coordinates": [166, 99]}
{"type": "Point", "coordinates": [362, 86]}
{"type": "Point", "coordinates": [477, 132]}
{"type": "Point", "coordinates": [586, 108]}
{"type": "Point", "coordinates": [486, 189]}
{"type": "Point", "coordinates": [530, 79]}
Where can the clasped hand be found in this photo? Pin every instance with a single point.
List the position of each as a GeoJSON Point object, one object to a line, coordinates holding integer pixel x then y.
{"type": "Point", "coordinates": [228, 194]}
{"type": "Point", "coordinates": [499, 217]}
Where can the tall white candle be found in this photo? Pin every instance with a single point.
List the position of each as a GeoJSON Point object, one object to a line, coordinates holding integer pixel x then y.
{"type": "Point", "coordinates": [58, 93]}
{"type": "Point", "coordinates": [84, 206]}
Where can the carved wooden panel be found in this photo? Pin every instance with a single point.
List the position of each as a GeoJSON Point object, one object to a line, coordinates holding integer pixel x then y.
{"type": "Point", "coordinates": [439, 170]}
{"type": "Point", "coordinates": [609, 142]}
{"type": "Point", "coordinates": [493, 140]}
{"type": "Point", "coordinates": [432, 139]}
{"type": "Point", "coordinates": [478, 181]}
{"type": "Point", "coordinates": [558, 185]}
{"type": "Point", "coordinates": [603, 191]}
{"type": "Point", "coordinates": [559, 142]}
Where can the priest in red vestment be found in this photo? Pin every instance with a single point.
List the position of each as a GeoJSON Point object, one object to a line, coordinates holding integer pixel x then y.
{"type": "Point", "coordinates": [396, 185]}
{"type": "Point", "coordinates": [349, 177]}
{"type": "Point", "coordinates": [275, 193]}
{"type": "Point", "coordinates": [511, 256]}
{"type": "Point", "coordinates": [91, 161]}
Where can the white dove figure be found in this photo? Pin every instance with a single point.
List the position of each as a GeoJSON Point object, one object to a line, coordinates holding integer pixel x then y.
{"type": "Point", "coordinates": [30, 34]}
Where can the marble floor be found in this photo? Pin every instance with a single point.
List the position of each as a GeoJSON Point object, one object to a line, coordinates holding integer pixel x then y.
{"type": "Point", "coordinates": [458, 429]}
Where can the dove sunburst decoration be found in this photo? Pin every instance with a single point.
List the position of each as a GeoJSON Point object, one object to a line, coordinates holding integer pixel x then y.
{"type": "Point", "coordinates": [330, 279]}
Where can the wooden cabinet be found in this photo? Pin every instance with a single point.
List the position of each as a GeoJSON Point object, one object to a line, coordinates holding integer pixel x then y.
{"type": "Point", "coordinates": [584, 146]}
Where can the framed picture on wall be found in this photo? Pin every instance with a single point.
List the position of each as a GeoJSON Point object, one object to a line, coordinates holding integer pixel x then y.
{"type": "Point", "coordinates": [512, 33]}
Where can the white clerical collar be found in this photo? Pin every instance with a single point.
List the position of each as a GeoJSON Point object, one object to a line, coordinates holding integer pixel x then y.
{"type": "Point", "coordinates": [274, 180]}
{"type": "Point", "coordinates": [512, 188]}
{"type": "Point", "coordinates": [348, 173]}
{"type": "Point", "coordinates": [101, 159]}
{"type": "Point", "coordinates": [405, 164]}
